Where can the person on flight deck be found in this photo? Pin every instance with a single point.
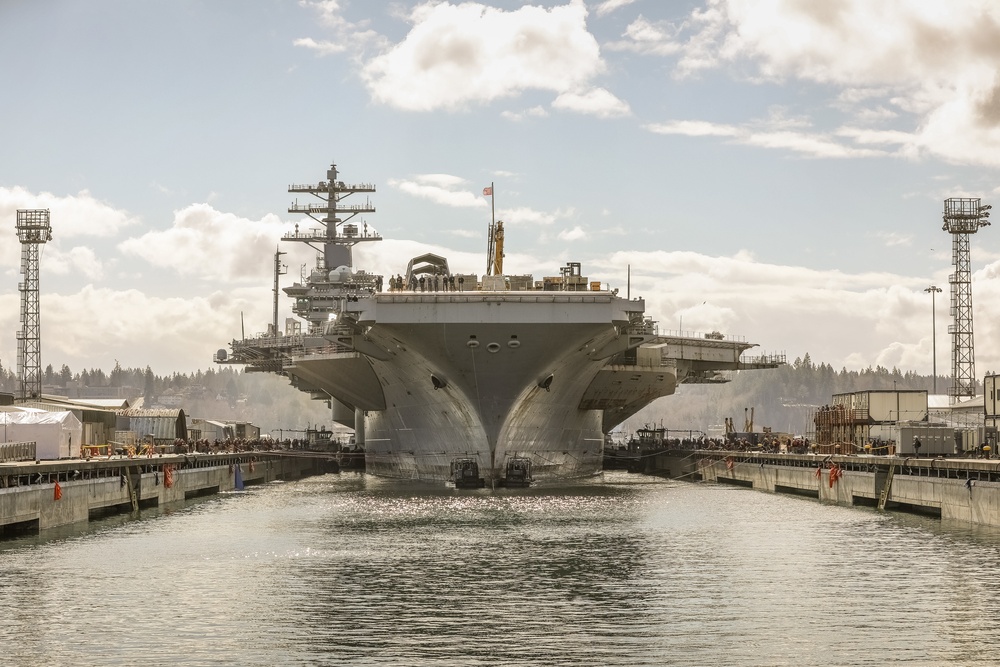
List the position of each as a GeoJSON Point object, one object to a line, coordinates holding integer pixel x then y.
{"type": "Point", "coordinates": [916, 445]}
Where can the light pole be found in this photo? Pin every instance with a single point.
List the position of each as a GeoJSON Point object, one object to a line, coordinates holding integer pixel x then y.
{"type": "Point", "coordinates": [933, 289]}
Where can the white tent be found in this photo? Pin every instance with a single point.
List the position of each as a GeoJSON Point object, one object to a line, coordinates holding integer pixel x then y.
{"type": "Point", "coordinates": [57, 434]}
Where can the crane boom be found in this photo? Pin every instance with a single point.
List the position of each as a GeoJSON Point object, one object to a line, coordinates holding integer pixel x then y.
{"type": "Point", "coordinates": [497, 246]}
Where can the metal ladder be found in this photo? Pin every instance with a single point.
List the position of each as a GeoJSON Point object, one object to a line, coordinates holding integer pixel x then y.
{"type": "Point", "coordinates": [886, 487]}
{"type": "Point", "coordinates": [131, 489]}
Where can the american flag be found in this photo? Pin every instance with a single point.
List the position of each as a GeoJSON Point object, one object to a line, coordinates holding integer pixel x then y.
{"type": "Point", "coordinates": [488, 191]}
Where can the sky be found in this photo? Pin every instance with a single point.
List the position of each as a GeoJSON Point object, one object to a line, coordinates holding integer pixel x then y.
{"type": "Point", "coordinates": [774, 170]}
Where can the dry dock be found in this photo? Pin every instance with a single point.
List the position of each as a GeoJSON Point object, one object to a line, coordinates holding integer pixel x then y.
{"type": "Point", "coordinates": [48, 494]}
{"type": "Point", "coordinates": [956, 489]}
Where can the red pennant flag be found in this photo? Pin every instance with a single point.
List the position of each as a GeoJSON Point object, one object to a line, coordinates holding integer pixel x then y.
{"type": "Point", "coordinates": [58, 491]}
{"type": "Point", "coordinates": [835, 473]}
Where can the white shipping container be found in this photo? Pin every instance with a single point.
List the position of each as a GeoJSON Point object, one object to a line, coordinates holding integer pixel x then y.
{"type": "Point", "coordinates": [897, 406]}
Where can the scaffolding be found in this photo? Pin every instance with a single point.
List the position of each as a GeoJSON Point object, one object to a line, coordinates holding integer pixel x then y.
{"type": "Point", "coordinates": [841, 429]}
{"type": "Point", "coordinates": [33, 230]}
{"type": "Point", "coordinates": [863, 421]}
{"type": "Point", "coordinates": [962, 217]}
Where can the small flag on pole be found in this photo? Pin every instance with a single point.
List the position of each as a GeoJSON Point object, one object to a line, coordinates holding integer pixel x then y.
{"type": "Point", "coordinates": [488, 191]}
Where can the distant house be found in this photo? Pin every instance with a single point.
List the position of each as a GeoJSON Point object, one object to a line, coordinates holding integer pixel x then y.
{"type": "Point", "coordinates": [164, 425]}
{"type": "Point", "coordinates": [210, 429]}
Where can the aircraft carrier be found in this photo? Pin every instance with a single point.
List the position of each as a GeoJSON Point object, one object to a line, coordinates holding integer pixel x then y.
{"type": "Point", "coordinates": [436, 369]}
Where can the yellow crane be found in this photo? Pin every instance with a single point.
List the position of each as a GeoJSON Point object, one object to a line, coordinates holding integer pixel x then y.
{"type": "Point", "coordinates": [497, 245]}
{"type": "Point", "coordinates": [494, 249]}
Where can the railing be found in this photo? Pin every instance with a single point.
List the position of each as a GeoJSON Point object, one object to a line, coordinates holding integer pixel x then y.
{"type": "Point", "coordinates": [327, 208]}
{"type": "Point", "coordinates": [17, 451]}
{"type": "Point", "coordinates": [325, 187]}
{"type": "Point", "coordinates": [712, 335]}
{"type": "Point", "coordinates": [765, 360]}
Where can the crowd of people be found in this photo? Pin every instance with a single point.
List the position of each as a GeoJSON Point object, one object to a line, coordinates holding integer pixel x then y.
{"type": "Point", "coordinates": [435, 282]}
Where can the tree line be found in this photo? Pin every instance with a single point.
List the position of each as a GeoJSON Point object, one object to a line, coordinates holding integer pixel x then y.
{"type": "Point", "coordinates": [226, 393]}
{"type": "Point", "coordinates": [783, 399]}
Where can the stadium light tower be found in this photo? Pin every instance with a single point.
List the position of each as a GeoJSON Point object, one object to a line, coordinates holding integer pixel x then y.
{"type": "Point", "coordinates": [962, 218]}
{"type": "Point", "coordinates": [33, 230]}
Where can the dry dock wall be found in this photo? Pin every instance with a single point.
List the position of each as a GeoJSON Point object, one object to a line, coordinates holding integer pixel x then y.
{"type": "Point", "coordinates": [966, 490]}
{"type": "Point", "coordinates": [93, 488]}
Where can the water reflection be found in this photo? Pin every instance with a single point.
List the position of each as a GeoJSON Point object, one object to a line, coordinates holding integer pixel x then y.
{"type": "Point", "coordinates": [624, 570]}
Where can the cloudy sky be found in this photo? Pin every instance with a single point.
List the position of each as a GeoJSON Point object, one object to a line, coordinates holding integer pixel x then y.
{"type": "Point", "coordinates": [771, 169]}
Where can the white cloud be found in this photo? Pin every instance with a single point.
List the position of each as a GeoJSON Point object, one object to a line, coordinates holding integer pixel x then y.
{"type": "Point", "coordinates": [695, 128]}
{"type": "Point", "coordinates": [527, 216]}
{"type": "Point", "coordinates": [815, 145]}
{"type": "Point", "coordinates": [457, 55]}
{"type": "Point", "coordinates": [168, 334]}
{"type": "Point", "coordinates": [533, 112]}
{"type": "Point", "coordinates": [70, 216]}
{"type": "Point", "coordinates": [759, 133]}
{"type": "Point", "coordinates": [441, 189]}
{"type": "Point", "coordinates": [350, 36]}
{"type": "Point", "coordinates": [609, 6]}
{"type": "Point", "coordinates": [210, 245]}
{"type": "Point", "coordinates": [648, 37]}
{"type": "Point", "coordinates": [78, 261]}
{"type": "Point", "coordinates": [594, 102]}
{"type": "Point", "coordinates": [929, 68]}
{"type": "Point", "coordinates": [322, 47]}
{"type": "Point", "coordinates": [574, 234]}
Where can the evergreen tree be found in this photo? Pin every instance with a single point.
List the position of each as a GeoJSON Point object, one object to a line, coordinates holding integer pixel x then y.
{"type": "Point", "coordinates": [115, 380]}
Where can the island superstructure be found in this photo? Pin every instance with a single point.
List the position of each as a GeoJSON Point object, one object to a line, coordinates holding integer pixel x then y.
{"type": "Point", "coordinates": [430, 365]}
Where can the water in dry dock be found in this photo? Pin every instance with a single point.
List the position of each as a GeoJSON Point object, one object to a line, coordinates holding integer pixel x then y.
{"type": "Point", "coordinates": [628, 570]}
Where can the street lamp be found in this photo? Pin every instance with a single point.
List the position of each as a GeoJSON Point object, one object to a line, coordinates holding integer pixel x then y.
{"type": "Point", "coordinates": [933, 289]}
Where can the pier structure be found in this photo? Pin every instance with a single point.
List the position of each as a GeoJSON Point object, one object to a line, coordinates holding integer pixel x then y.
{"type": "Point", "coordinates": [963, 216]}
{"type": "Point", "coordinates": [37, 496]}
{"type": "Point", "coordinates": [33, 230]}
{"type": "Point", "coordinates": [957, 489]}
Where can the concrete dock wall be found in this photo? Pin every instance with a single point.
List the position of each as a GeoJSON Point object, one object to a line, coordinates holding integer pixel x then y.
{"type": "Point", "coordinates": [966, 490]}
{"type": "Point", "coordinates": [92, 488]}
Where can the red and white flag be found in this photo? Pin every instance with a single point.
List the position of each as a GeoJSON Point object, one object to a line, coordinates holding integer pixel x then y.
{"type": "Point", "coordinates": [57, 493]}
{"type": "Point", "coordinates": [488, 191]}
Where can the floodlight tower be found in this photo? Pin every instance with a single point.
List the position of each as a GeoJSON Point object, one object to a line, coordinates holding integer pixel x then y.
{"type": "Point", "coordinates": [33, 230]}
{"type": "Point", "coordinates": [962, 218]}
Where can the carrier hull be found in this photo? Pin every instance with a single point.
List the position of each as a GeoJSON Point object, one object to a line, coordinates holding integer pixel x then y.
{"type": "Point", "coordinates": [486, 376]}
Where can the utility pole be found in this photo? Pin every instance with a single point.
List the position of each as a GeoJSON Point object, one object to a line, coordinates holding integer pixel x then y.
{"type": "Point", "coordinates": [934, 289]}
